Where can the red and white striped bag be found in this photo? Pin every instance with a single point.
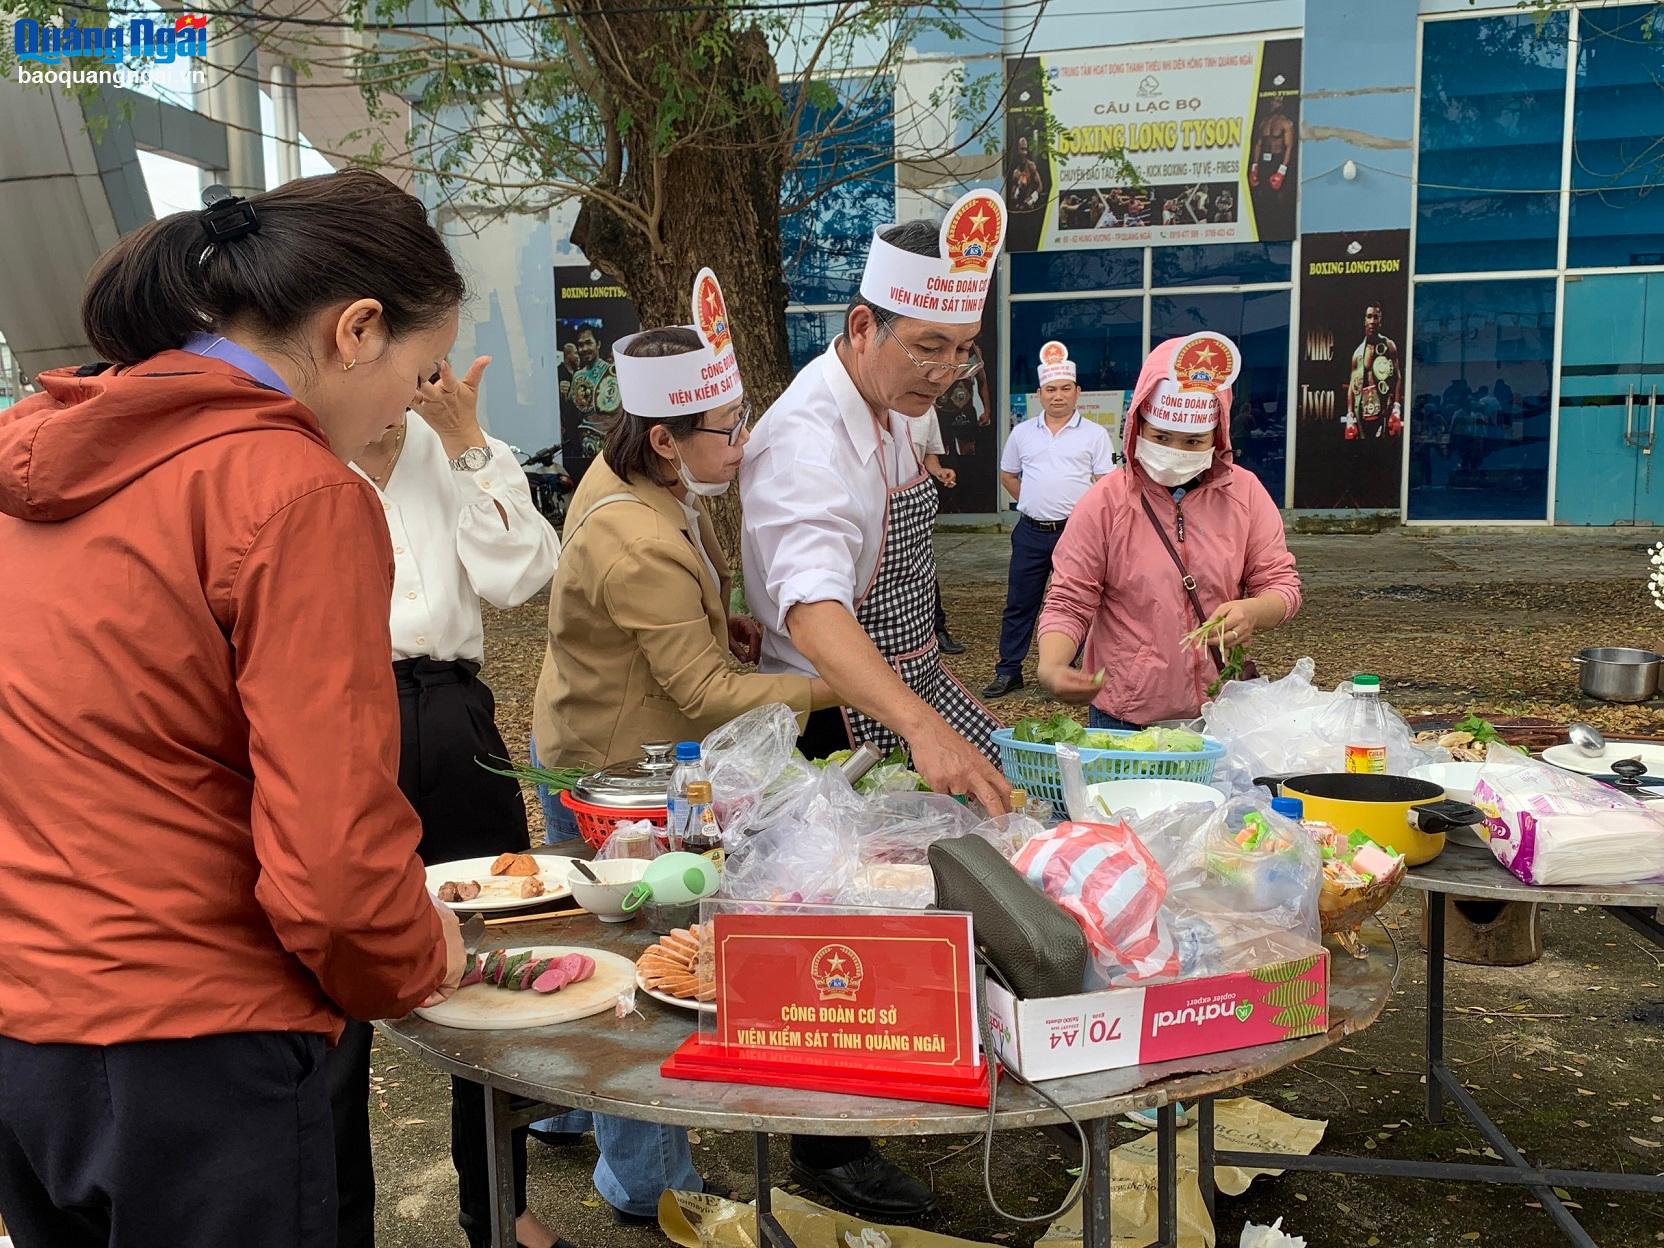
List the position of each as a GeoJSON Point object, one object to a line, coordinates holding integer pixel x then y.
{"type": "Point", "coordinates": [1106, 879]}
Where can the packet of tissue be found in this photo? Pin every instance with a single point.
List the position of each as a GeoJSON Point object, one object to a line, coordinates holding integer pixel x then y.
{"type": "Point", "coordinates": [1273, 1236]}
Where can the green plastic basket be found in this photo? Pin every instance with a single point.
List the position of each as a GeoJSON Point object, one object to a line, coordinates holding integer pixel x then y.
{"type": "Point", "coordinates": [1033, 768]}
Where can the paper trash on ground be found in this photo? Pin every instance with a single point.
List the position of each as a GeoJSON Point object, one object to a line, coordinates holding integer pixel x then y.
{"type": "Point", "coordinates": [702, 1220]}
{"type": "Point", "coordinates": [1242, 1125]}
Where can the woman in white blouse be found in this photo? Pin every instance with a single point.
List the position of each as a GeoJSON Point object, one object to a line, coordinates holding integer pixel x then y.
{"type": "Point", "coordinates": [460, 515]}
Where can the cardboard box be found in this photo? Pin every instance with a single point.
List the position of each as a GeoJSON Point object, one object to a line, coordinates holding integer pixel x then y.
{"type": "Point", "coordinates": [1054, 1037]}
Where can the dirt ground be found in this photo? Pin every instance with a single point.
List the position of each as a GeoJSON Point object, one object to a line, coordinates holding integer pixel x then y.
{"type": "Point", "coordinates": [1565, 1053]}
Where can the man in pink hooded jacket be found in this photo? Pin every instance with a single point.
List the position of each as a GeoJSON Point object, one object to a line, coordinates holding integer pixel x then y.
{"type": "Point", "coordinates": [1117, 584]}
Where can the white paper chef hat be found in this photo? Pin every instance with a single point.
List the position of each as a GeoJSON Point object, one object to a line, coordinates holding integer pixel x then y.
{"type": "Point", "coordinates": [949, 288]}
{"type": "Point", "coordinates": [1187, 399]}
{"type": "Point", "coordinates": [678, 385]}
{"type": "Point", "coordinates": [1055, 364]}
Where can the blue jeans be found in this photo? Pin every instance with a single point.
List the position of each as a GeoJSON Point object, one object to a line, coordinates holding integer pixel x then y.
{"type": "Point", "coordinates": [1025, 592]}
{"type": "Point", "coordinates": [559, 823]}
{"type": "Point", "coordinates": [1103, 719]}
{"type": "Point", "coordinates": [639, 1160]}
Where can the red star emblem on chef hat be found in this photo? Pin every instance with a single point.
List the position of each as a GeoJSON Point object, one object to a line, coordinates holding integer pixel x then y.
{"type": "Point", "coordinates": [1206, 361]}
{"type": "Point", "coordinates": [973, 232]}
{"type": "Point", "coordinates": [710, 311]}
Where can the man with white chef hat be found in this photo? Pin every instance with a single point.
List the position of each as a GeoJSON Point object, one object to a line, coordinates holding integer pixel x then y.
{"type": "Point", "coordinates": [839, 513]}
{"type": "Point", "coordinates": [839, 566]}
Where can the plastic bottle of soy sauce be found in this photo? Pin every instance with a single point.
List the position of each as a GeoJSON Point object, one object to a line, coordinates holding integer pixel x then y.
{"type": "Point", "coordinates": [1366, 729]}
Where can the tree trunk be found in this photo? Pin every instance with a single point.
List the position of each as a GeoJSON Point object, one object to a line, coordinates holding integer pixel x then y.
{"type": "Point", "coordinates": [721, 209]}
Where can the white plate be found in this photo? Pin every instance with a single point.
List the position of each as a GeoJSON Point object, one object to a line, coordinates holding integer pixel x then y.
{"type": "Point", "coordinates": [486, 1007]}
{"type": "Point", "coordinates": [1149, 797]}
{"type": "Point", "coordinates": [496, 890]}
{"type": "Point", "coordinates": [681, 1003]}
{"type": "Point", "coordinates": [1456, 779]}
{"type": "Point", "coordinates": [1570, 758]}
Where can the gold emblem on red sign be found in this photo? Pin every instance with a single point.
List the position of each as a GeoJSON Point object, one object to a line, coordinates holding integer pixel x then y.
{"type": "Point", "coordinates": [973, 232]}
{"type": "Point", "coordinates": [836, 972]}
{"type": "Point", "coordinates": [1206, 362]}
{"type": "Point", "coordinates": [711, 311]}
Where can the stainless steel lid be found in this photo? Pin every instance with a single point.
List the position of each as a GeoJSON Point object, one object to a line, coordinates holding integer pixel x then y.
{"type": "Point", "coordinates": [641, 784]}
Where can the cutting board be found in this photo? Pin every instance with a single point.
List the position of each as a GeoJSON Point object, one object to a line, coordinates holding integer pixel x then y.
{"type": "Point", "coordinates": [483, 1007]}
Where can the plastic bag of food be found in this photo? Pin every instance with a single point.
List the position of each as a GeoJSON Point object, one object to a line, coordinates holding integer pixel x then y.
{"type": "Point", "coordinates": [635, 838]}
{"type": "Point", "coordinates": [803, 845]}
{"type": "Point", "coordinates": [745, 757]}
{"type": "Point", "coordinates": [1242, 884]}
{"type": "Point", "coordinates": [1549, 826]}
{"type": "Point", "coordinates": [892, 837]}
{"type": "Point", "coordinates": [1009, 833]}
{"type": "Point", "coordinates": [1290, 727]}
{"type": "Point", "coordinates": [1107, 881]}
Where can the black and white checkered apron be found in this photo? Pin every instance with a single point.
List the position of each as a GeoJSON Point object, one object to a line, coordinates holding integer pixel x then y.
{"type": "Point", "coordinates": [898, 612]}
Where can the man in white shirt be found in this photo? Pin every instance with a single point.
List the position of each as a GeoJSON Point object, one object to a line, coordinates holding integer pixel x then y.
{"type": "Point", "coordinates": [839, 566]}
{"type": "Point", "coordinates": [928, 446]}
{"type": "Point", "coordinates": [1050, 461]}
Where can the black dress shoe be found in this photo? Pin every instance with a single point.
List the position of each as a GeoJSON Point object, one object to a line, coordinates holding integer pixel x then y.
{"type": "Point", "coordinates": [621, 1217]}
{"type": "Point", "coordinates": [1000, 686]}
{"type": "Point", "coordinates": [556, 1139]}
{"type": "Point", "coordinates": [947, 645]}
{"type": "Point", "coordinates": [871, 1187]}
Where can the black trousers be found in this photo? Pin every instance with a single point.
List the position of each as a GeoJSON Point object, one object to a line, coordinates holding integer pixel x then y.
{"type": "Point", "coordinates": [447, 721]}
{"type": "Point", "coordinates": [221, 1140]}
{"type": "Point", "coordinates": [1025, 592]}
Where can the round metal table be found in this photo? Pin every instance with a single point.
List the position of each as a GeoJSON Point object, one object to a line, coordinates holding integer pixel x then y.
{"type": "Point", "coordinates": [611, 1066]}
{"type": "Point", "coordinates": [1468, 868]}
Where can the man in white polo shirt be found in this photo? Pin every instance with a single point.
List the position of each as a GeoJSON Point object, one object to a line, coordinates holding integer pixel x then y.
{"type": "Point", "coordinates": [1050, 461]}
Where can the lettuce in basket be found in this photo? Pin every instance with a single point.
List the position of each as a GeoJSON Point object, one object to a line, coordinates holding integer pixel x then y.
{"type": "Point", "coordinates": [1059, 728]}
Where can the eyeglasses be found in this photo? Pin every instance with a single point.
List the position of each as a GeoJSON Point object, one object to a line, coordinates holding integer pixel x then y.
{"type": "Point", "coordinates": [936, 370]}
{"type": "Point", "coordinates": [738, 430]}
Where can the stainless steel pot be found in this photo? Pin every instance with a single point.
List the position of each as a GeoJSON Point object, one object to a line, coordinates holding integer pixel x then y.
{"type": "Point", "coordinates": [1616, 674]}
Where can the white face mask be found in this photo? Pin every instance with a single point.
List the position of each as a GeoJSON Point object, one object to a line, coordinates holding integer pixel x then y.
{"type": "Point", "coordinates": [1170, 466]}
{"type": "Point", "coordinates": [704, 489]}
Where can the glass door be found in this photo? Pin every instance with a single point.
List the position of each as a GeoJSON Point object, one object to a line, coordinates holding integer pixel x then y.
{"type": "Point", "coordinates": [1607, 410]}
{"type": "Point", "coordinates": [1649, 485]}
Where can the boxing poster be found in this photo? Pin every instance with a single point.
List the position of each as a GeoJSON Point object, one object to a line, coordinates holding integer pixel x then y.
{"type": "Point", "coordinates": [1127, 147]}
{"type": "Point", "coordinates": [966, 416]}
{"type": "Point", "coordinates": [591, 313]}
{"type": "Point", "coordinates": [1349, 425]}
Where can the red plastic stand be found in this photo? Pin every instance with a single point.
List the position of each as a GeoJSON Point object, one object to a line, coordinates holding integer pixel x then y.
{"type": "Point", "coordinates": [715, 1063]}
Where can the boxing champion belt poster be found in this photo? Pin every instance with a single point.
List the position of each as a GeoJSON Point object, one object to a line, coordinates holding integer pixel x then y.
{"type": "Point", "coordinates": [591, 313]}
{"type": "Point", "coordinates": [1119, 147]}
{"type": "Point", "coordinates": [1349, 424]}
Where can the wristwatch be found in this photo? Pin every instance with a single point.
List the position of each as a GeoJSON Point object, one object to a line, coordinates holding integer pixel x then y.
{"type": "Point", "coordinates": [472, 459]}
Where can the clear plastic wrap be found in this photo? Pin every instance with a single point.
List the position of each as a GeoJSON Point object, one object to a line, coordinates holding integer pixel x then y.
{"type": "Point", "coordinates": [895, 831]}
{"type": "Point", "coordinates": [1009, 833]}
{"type": "Point", "coordinates": [803, 844]}
{"type": "Point", "coordinates": [635, 838]}
{"type": "Point", "coordinates": [1550, 826]}
{"type": "Point", "coordinates": [1290, 727]}
{"type": "Point", "coordinates": [745, 759]}
{"type": "Point", "coordinates": [1179, 895]}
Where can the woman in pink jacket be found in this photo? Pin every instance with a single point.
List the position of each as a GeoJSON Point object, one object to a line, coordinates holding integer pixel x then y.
{"type": "Point", "coordinates": [1117, 583]}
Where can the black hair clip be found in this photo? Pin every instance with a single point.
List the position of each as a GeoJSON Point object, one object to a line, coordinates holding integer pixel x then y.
{"type": "Point", "coordinates": [226, 216]}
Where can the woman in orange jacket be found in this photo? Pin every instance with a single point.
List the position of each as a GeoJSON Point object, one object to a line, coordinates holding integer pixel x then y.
{"type": "Point", "coordinates": [207, 858]}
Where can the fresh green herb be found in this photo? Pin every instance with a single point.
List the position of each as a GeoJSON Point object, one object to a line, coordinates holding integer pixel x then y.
{"type": "Point", "coordinates": [555, 779]}
{"type": "Point", "coordinates": [889, 774]}
{"type": "Point", "coordinates": [1234, 663]}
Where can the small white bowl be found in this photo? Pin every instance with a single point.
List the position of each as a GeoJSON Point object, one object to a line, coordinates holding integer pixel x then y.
{"type": "Point", "coordinates": [606, 899]}
{"type": "Point", "coordinates": [1149, 797]}
{"type": "Point", "coordinates": [1456, 779]}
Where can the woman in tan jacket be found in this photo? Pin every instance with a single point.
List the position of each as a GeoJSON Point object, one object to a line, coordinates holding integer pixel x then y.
{"type": "Point", "coordinates": [639, 631]}
{"type": "Point", "coordinates": [640, 636]}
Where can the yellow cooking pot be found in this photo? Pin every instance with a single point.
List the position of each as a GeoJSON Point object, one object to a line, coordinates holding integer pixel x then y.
{"type": "Point", "coordinates": [1407, 816]}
